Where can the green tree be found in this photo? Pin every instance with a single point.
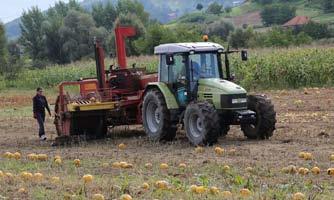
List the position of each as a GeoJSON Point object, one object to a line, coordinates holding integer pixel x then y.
{"type": "Point", "coordinates": [3, 51]}
{"type": "Point", "coordinates": [277, 14]}
{"type": "Point", "coordinates": [199, 6]}
{"type": "Point", "coordinates": [187, 33]}
{"type": "Point", "coordinates": [51, 26]}
{"type": "Point", "coordinates": [301, 39]}
{"type": "Point", "coordinates": [328, 5]}
{"type": "Point", "coordinates": [241, 38]}
{"type": "Point", "coordinates": [104, 16]}
{"type": "Point", "coordinates": [220, 28]}
{"type": "Point", "coordinates": [61, 8]}
{"type": "Point", "coordinates": [32, 34]}
{"type": "Point", "coordinates": [15, 62]}
{"type": "Point", "coordinates": [125, 7]}
{"type": "Point", "coordinates": [228, 9]}
{"type": "Point", "coordinates": [53, 40]}
{"type": "Point", "coordinates": [156, 34]}
{"type": "Point", "coordinates": [78, 32]}
{"type": "Point", "coordinates": [215, 8]}
{"type": "Point", "coordinates": [280, 37]}
{"type": "Point", "coordinates": [264, 1]}
{"type": "Point", "coordinates": [316, 30]}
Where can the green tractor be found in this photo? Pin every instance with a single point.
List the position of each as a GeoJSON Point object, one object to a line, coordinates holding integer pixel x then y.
{"type": "Point", "coordinates": [194, 90]}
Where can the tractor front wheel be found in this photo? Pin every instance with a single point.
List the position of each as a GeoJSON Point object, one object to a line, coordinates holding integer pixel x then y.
{"type": "Point", "coordinates": [264, 126]}
{"type": "Point", "coordinates": [156, 117]}
{"type": "Point", "coordinates": [201, 122]}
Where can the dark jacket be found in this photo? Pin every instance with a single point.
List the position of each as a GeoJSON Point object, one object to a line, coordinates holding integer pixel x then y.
{"type": "Point", "coordinates": [39, 104]}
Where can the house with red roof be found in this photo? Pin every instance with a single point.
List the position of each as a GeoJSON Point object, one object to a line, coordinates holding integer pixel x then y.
{"type": "Point", "coordinates": [297, 22]}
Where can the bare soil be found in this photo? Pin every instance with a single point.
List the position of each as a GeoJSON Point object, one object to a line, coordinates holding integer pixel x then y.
{"type": "Point", "coordinates": [304, 123]}
{"type": "Point", "coordinates": [252, 18]}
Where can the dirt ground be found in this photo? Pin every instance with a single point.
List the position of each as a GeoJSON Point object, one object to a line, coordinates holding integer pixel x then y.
{"type": "Point", "coordinates": [304, 123]}
{"type": "Point", "coordinates": [252, 18]}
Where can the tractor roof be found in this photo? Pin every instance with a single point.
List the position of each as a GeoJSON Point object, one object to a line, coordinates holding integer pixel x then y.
{"type": "Point", "coordinates": [187, 47]}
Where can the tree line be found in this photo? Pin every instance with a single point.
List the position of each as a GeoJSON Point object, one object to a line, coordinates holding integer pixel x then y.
{"type": "Point", "coordinates": [65, 32]}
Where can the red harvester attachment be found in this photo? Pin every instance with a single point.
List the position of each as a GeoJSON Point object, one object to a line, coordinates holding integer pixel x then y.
{"type": "Point", "coordinates": [89, 106]}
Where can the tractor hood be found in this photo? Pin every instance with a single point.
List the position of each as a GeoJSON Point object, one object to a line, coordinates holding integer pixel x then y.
{"type": "Point", "coordinates": [214, 84]}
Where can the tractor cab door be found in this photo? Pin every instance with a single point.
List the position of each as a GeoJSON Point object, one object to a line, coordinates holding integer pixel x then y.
{"type": "Point", "coordinates": [202, 66]}
{"type": "Point", "coordinates": [173, 73]}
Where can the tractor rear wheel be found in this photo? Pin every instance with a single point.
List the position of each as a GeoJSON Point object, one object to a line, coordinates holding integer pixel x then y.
{"type": "Point", "coordinates": [264, 126]}
{"type": "Point", "coordinates": [201, 122]}
{"type": "Point", "coordinates": [156, 117]}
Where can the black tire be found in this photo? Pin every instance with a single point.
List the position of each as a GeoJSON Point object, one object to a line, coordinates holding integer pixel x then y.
{"type": "Point", "coordinates": [101, 129]}
{"type": "Point", "coordinates": [156, 117]}
{"type": "Point", "coordinates": [201, 122]}
{"type": "Point", "coordinates": [265, 118]}
{"type": "Point", "coordinates": [224, 130]}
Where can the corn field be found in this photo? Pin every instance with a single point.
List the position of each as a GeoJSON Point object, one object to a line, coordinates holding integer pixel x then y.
{"type": "Point", "coordinates": [265, 69]}
{"type": "Point", "coordinates": [286, 68]}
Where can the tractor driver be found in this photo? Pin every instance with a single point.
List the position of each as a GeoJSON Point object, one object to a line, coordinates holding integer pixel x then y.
{"type": "Point", "coordinates": [196, 70]}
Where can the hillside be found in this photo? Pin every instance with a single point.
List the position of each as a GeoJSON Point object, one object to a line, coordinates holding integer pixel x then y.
{"type": "Point", "coordinates": [175, 12]}
{"type": "Point", "coordinates": [163, 11]}
{"type": "Point", "coordinates": [249, 13]}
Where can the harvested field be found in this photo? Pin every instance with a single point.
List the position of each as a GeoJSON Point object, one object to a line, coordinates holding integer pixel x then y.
{"type": "Point", "coordinates": [252, 18]}
{"type": "Point", "coordinates": [305, 124]}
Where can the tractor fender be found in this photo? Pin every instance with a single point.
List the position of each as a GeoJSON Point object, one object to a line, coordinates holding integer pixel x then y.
{"type": "Point", "coordinates": [168, 95]}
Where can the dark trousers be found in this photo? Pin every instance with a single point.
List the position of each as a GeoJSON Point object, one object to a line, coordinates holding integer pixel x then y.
{"type": "Point", "coordinates": [41, 119]}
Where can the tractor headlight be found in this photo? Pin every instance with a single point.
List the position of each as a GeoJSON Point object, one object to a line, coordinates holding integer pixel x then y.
{"type": "Point", "coordinates": [240, 100]}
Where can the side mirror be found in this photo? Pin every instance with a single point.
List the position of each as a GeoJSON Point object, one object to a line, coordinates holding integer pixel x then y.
{"type": "Point", "coordinates": [169, 59]}
{"type": "Point", "coordinates": [232, 77]}
{"type": "Point", "coordinates": [244, 55]}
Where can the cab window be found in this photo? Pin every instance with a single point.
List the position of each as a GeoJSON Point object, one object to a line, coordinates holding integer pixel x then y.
{"type": "Point", "coordinates": [204, 65]}
{"type": "Point", "coordinates": [172, 73]}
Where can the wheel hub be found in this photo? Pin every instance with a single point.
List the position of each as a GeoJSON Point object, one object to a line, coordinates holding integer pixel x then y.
{"type": "Point", "coordinates": [199, 124]}
{"type": "Point", "coordinates": [153, 117]}
{"type": "Point", "coordinates": [157, 115]}
{"type": "Point", "coordinates": [195, 125]}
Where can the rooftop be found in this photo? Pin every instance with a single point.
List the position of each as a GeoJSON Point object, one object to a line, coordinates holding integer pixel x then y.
{"type": "Point", "coordinates": [187, 47]}
{"type": "Point", "coordinates": [298, 20]}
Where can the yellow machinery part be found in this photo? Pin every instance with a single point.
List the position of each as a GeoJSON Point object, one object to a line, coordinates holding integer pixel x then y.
{"type": "Point", "coordinates": [91, 106]}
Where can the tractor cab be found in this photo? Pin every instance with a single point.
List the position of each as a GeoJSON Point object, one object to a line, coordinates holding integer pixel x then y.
{"type": "Point", "coordinates": [195, 70]}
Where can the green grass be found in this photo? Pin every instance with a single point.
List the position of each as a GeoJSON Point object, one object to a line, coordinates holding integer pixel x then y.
{"type": "Point", "coordinates": [18, 111]}
{"type": "Point", "coordinates": [245, 8]}
{"type": "Point", "coordinates": [325, 18]}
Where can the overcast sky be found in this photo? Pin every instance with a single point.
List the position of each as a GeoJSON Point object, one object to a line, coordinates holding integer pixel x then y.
{"type": "Point", "coordinates": [12, 9]}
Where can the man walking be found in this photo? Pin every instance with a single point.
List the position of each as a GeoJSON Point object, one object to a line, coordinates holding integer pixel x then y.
{"type": "Point", "coordinates": [39, 105]}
